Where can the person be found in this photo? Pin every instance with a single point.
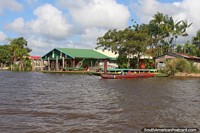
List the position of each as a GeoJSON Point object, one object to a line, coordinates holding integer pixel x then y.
{"type": "Point", "coordinates": [129, 72]}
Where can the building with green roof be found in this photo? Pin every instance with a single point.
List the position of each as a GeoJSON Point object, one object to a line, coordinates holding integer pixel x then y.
{"type": "Point", "coordinates": [70, 58]}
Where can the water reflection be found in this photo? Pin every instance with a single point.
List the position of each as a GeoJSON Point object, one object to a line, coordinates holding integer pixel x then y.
{"type": "Point", "coordinates": [37, 102]}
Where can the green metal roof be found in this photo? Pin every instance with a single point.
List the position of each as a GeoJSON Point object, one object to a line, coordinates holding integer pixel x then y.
{"type": "Point", "coordinates": [82, 53]}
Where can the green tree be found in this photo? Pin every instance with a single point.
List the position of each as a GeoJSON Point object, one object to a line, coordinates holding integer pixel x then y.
{"type": "Point", "coordinates": [4, 54]}
{"type": "Point", "coordinates": [130, 41]}
{"type": "Point", "coordinates": [191, 49]}
{"type": "Point", "coordinates": [179, 48]}
{"type": "Point", "coordinates": [196, 41]}
{"type": "Point", "coordinates": [21, 42]}
{"type": "Point", "coordinates": [159, 28]}
{"type": "Point", "coordinates": [164, 32]}
{"type": "Point", "coordinates": [16, 50]}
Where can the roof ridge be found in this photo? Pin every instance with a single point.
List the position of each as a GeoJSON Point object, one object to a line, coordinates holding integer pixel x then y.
{"type": "Point", "coordinates": [74, 48]}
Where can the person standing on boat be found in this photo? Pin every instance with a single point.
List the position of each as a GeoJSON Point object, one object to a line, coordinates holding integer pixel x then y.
{"type": "Point", "coordinates": [128, 73]}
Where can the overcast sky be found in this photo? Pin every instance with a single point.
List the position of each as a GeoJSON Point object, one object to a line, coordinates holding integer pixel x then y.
{"type": "Point", "coordinates": [48, 24]}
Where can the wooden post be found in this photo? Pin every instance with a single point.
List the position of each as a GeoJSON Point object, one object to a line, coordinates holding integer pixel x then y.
{"type": "Point", "coordinates": [63, 62]}
{"type": "Point", "coordinates": [33, 65]}
{"type": "Point", "coordinates": [73, 63]}
{"type": "Point", "coordinates": [49, 64]}
{"type": "Point", "coordinates": [11, 67]}
{"type": "Point", "coordinates": [57, 63]}
{"type": "Point", "coordinates": [105, 66]}
{"type": "Point", "coordinates": [41, 65]}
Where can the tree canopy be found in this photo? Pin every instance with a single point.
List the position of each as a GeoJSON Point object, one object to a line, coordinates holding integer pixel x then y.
{"type": "Point", "coordinates": [16, 50]}
{"type": "Point", "coordinates": [155, 38]}
{"type": "Point", "coordinates": [127, 42]}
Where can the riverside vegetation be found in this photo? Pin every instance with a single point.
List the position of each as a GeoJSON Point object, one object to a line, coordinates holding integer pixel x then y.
{"type": "Point", "coordinates": [15, 55]}
{"type": "Point", "coordinates": [153, 39]}
{"type": "Point", "coordinates": [174, 66]}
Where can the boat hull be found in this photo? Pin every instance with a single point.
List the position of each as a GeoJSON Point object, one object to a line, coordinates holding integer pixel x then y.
{"type": "Point", "coordinates": [128, 76]}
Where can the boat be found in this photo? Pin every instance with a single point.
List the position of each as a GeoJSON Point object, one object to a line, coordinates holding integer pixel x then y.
{"type": "Point", "coordinates": [132, 73]}
{"type": "Point", "coordinates": [129, 75]}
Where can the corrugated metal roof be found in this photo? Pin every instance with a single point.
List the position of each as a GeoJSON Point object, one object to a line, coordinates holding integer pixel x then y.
{"type": "Point", "coordinates": [186, 55]}
{"type": "Point", "coordinates": [108, 53]}
{"type": "Point", "coordinates": [82, 53]}
{"type": "Point", "coordinates": [114, 56]}
{"type": "Point", "coordinates": [35, 57]}
{"type": "Point", "coordinates": [180, 55]}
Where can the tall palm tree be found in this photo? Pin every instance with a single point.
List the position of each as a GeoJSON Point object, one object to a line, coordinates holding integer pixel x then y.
{"type": "Point", "coordinates": [165, 31]}
{"type": "Point", "coordinates": [161, 27]}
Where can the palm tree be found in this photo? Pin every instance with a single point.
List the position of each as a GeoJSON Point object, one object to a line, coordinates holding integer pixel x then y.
{"type": "Point", "coordinates": [160, 28]}
{"type": "Point", "coordinates": [196, 39]}
{"type": "Point", "coordinates": [165, 31]}
{"type": "Point", "coordinates": [191, 49]}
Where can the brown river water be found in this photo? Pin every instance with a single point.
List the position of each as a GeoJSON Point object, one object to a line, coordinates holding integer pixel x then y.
{"type": "Point", "coordinates": [33, 102]}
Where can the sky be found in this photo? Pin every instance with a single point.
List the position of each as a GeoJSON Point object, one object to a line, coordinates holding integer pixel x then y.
{"type": "Point", "coordinates": [48, 24]}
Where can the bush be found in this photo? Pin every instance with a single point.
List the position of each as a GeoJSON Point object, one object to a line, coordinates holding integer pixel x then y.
{"type": "Point", "coordinates": [180, 65]}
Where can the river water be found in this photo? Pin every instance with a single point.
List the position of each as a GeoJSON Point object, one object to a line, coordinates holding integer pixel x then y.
{"type": "Point", "coordinates": [33, 102]}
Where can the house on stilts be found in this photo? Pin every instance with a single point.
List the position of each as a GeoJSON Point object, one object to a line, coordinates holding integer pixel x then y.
{"type": "Point", "coordinates": [73, 59]}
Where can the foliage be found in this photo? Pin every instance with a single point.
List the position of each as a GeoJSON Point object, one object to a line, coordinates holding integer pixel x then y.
{"type": "Point", "coordinates": [196, 39]}
{"type": "Point", "coordinates": [179, 65]}
{"type": "Point", "coordinates": [164, 31]}
{"type": "Point", "coordinates": [122, 60]}
{"type": "Point", "coordinates": [130, 41]}
{"type": "Point", "coordinates": [153, 39]}
{"type": "Point", "coordinates": [17, 50]}
{"type": "Point", "coordinates": [4, 54]}
{"type": "Point", "coordinates": [188, 48]}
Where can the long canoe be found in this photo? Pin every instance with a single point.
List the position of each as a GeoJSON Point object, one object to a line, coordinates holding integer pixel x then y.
{"type": "Point", "coordinates": [128, 76]}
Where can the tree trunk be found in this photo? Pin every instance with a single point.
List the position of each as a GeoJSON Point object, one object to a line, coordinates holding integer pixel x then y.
{"type": "Point", "coordinates": [138, 61]}
{"type": "Point", "coordinates": [128, 63]}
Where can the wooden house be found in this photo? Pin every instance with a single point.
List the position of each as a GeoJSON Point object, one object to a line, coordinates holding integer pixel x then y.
{"type": "Point", "coordinates": [71, 58]}
{"type": "Point", "coordinates": [160, 60]}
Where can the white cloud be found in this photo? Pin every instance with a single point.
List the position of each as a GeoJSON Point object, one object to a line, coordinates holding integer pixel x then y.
{"type": "Point", "coordinates": [48, 30]}
{"type": "Point", "coordinates": [10, 4]}
{"type": "Point", "coordinates": [2, 36]}
{"type": "Point", "coordinates": [98, 13]}
{"type": "Point", "coordinates": [94, 17]}
{"type": "Point", "coordinates": [50, 23]}
{"type": "Point", "coordinates": [89, 19]}
{"type": "Point", "coordinates": [17, 25]}
{"type": "Point", "coordinates": [145, 9]}
{"type": "Point", "coordinates": [90, 37]}
{"type": "Point", "coordinates": [41, 46]}
{"type": "Point", "coordinates": [183, 10]}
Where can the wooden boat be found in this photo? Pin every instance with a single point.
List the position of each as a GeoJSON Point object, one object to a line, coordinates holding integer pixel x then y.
{"type": "Point", "coordinates": [121, 71]}
{"type": "Point", "coordinates": [128, 75]}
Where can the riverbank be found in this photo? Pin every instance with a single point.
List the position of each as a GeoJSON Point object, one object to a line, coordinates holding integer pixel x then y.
{"type": "Point", "coordinates": [197, 75]}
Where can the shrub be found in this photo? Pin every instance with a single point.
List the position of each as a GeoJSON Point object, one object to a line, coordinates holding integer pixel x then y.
{"type": "Point", "coordinates": [180, 65]}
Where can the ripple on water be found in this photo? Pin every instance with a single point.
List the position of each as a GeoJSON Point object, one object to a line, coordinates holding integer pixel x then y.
{"type": "Point", "coordinates": [37, 102]}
